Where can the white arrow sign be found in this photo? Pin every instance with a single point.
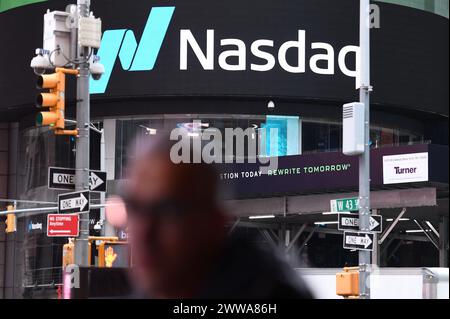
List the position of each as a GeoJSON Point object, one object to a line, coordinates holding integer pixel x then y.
{"type": "Point", "coordinates": [64, 178]}
{"type": "Point", "coordinates": [79, 202]}
{"type": "Point", "coordinates": [354, 221]}
{"type": "Point", "coordinates": [94, 181]}
{"type": "Point", "coordinates": [52, 231]}
{"type": "Point", "coordinates": [358, 240]}
{"type": "Point", "coordinates": [351, 222]}
{"type": "Point", "coordinates": [373, 223]}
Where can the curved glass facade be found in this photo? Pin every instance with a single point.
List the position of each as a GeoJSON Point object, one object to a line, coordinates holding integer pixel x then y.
{"type": "Point", "coordinates": [41, 257]}
{"type": "Point", "coordinates": [296, 135]}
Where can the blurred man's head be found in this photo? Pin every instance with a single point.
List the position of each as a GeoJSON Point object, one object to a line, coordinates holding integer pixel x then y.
{"type": "Point", "coordinates": [175, 222]}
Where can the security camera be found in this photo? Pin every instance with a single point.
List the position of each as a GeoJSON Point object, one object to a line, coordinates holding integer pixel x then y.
{"type": "Point", "coordinates": [40, 63]}
{"type": "Point", "coordinates": [97, 69]}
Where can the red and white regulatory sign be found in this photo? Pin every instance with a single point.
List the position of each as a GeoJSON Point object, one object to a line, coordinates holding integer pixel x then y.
{"type": "Point", "coordinates": [62, 225]}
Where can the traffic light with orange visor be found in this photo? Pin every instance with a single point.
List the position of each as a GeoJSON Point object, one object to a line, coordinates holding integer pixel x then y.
{"type": "Point", "coordinates": [54, 100]}
{"type": "Point", "coordinates": [10, 220]}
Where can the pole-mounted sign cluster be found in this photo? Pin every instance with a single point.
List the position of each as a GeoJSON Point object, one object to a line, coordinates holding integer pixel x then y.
{"type": "Point", "coordinates": [67, 33]}
{"type": "Point", "coordinates": [70, 38]}
{"type": "Point", "coordinates": [354, 238]}
{"type": "Point", "coordinates": [356, 141]}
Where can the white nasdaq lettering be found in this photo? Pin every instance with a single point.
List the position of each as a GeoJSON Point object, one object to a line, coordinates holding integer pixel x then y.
{"type": "Point", "coordinates": [320, 62]}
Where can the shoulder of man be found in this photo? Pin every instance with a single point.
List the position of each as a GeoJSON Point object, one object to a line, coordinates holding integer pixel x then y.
{"type": "Point", "coordinates": [248, 271]}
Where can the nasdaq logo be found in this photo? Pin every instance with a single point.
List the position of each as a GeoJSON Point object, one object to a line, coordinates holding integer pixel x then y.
{"type": "Point", "coordinates": [133, 56]}
{"type": "Point", "coordinates": [261, 55]}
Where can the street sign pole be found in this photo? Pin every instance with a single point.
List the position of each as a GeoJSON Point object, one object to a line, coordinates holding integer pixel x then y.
{"type": "Point", "coordinates": [82, 146]}
{"type": "Point", "coordinates": [364, 159]}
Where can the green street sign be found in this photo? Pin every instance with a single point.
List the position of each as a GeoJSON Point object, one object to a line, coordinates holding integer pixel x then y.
{"type": "Point", "coordinates": [344, 205]}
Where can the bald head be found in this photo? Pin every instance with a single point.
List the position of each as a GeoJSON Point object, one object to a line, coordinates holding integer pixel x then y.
{"type": "Point", "coordinates": [196, 184]}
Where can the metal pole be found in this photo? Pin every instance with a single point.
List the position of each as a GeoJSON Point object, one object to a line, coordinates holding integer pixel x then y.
{"type": "Point", "coordinates": [391, 227]}
{"type": "Point", "coordinates": [102, 195]}
{"type": "Point", "coordinates": [82, 153]}
{"type": "Point", "coordinates": [72, 9]}
{"type": "Point", "coordinates": [364, 159]}
{"type": "Point", "coordinates": [376, 246]}
{"type": "Point", "coordinates": [419, 224]}
{"type": "Point", "coordinates": [107, 228]}
{"type": "Point", "coordinates": [443, 242]}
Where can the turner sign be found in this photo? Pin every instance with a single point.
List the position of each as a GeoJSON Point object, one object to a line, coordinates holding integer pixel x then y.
{"type": "Point", "coordinates": [405, 168]}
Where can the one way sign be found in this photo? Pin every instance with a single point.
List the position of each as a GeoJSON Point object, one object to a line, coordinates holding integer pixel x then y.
{"type": "Point", "coordinates": [358, 240]}
{"type": "Point", "coordinates": [64, 178]}
{"type": "Point", "coordinates": [77, 202]}
{"type": "Point", "coordinates": [351, 222]}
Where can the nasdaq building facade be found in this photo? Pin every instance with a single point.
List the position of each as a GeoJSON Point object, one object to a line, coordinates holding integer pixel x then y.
{"type": "Point", "coordinates": [239, 64]}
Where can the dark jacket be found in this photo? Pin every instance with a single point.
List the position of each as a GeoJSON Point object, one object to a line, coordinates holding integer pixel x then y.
{"type": "Point", "coordinates": [246, 271]}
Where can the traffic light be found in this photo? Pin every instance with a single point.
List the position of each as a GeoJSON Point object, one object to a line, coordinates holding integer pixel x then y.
{"type": "Point", "coordinates": [69, 254]}
{"type": "Point", "coordinates": [54, 100]}
{"type": "Point", "coordinates": [10, 220]}
{"type": "Point", "coordinates": [114, 254]}
{"type": "Point", "coordinates": [347, 282]}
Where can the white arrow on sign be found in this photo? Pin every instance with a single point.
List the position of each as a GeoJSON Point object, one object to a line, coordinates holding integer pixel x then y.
{"type": "Point", "coordinates": [94, 181]}
{"type": "Point", "coordinates": [76, 202]}
{"type": "Point", "coordinates": [65, 178]}
{"type": "Point", "coordinates": [373, 223]}
{"type": "Point", "coordinates": [51, 231]}
{"type": "Point", "coordinates": [358, 240]}
{"type": "Point", "coordinates": [354, 221]}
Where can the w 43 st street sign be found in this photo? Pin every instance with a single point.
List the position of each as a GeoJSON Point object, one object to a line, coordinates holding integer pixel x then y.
{"type": "Point", "coordinates": [351, 222]}
{"type": "Point", "coordinates": [344, 205]}
{"type": "Point", "coordinates": [64, 178]}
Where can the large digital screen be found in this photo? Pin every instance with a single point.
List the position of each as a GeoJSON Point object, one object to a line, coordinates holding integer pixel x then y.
{"type": "Point", "coordinates": [303, 50]}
